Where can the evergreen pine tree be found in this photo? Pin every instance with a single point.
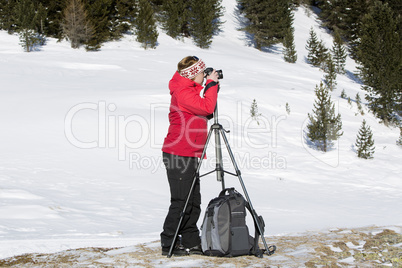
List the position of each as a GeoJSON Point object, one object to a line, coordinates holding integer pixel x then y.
{"type": "Point", "coordinates": [312, 48]}
{"type": "Point", "coordinates": [38, 28]}
{"type": "Point", "coordinates": [285, 19]}
{"type": "Point", "coordinates": [145, 25]}
{"type": "Point", "coordinates": [364, 142]}
{"type": "Point", "coordinates": [54, 17]}
{"type": "Point", "coordinates": [157, 3]}
{"type": "Point", "coordinates": [205, 21]}
{"type": "Point", "coordinates": [41, 17]}
{"type": "Point", "coordinates": [76, 26]}
{"type": "Point", "coordinates": [267, 20]}
{"type": "Point", "coordinates": [330, 77]}
{"type": "Point", "coordinates": [324, 126]}
{"type": "Point", "coordinates": [345, 17]}
{"type": "Point", "coordinates": [359, 104]}
{"type": "Point", "coordinates": [7, 20]}
{"type": "Point", "coordinates": [399, 141]}
{"type": "Point", "coordinates": [28, 39]}
{"type": "Point", "coordinates": [339, 54]}
{"type": "Point", "coordinates": [332, 13]}
{"type": "Point", "coordinates": [380, 57]}
{"type": "Point", "coordinates": [343, 94]}
{"type": "Point", "coordinates": [323, 57]}
{"type": "Point", "coordinates": [317, 52]}
{"type": "Point", "coordinates": [353, 19]}
{"type": "Point", "coordinates": [289, 54]}
{"type": "Point", "coordinates": [358, 99]}
{"type": "Point", "coordinates": [254, 111]}
{"type": "Point", "coordinates": [175, 18]}
{"type": "Point", "coordinates": [99, 14]}
{"type": "Point", "coordinates": [287, 108]}
{"type": "Point", "coordinates": [123, 16]}
{"type": "Point", "coordinates": [26, 19]}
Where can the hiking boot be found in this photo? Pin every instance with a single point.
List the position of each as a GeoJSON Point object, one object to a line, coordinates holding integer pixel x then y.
{"type": "Point", "coordinates": [177, 251]}
{"type": "Point", "coordinates": [194, 250]}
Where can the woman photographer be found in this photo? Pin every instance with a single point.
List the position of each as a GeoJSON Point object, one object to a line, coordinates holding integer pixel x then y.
{"type": "Point", "coordinates": [182, 147]}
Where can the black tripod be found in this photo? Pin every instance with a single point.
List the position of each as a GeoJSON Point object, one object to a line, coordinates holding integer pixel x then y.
{"type": "Point", "coordinates": [219, 131]}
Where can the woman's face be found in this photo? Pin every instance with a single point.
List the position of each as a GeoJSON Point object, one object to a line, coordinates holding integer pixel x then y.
{"type": "Point", "coordinates": [199, 78]}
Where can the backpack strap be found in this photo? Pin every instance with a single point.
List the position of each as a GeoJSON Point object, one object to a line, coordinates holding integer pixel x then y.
{"type": "Point", "coordinates": [256, 250]}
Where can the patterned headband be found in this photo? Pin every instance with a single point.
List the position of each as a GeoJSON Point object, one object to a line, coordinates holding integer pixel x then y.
{"type": "Point", "coordinates": [193, 70]}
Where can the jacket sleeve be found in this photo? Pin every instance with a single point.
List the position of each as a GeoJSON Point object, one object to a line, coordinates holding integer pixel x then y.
{"type": "Point", "coordinates": [197, 105]}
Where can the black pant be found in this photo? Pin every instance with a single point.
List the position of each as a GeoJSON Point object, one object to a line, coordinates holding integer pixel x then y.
{"type": "Point", "coordinates": [180, 173]}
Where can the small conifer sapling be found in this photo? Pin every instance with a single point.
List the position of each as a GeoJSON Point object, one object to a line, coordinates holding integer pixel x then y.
{"type": "Point", "coordinates": [365, 142]}
{"type": "Point", "coordinates": [254, 111]}
{"type": "Point", "coordinates": [325, 126]}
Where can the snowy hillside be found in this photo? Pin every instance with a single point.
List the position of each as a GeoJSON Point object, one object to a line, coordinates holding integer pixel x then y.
{"type": "Point", "coordinates": [81, 135]}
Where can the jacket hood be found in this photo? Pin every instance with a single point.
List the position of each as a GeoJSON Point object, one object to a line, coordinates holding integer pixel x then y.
{"type": "Point", "coordinates": [179, 82]}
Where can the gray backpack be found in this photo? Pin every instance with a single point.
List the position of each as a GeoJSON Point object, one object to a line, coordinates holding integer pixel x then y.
{"type": "Point", "coordinates": [224, 231]}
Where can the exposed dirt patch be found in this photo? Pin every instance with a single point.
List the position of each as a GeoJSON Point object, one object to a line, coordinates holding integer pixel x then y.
{"type": "Point", "coordinates": [360, 247]}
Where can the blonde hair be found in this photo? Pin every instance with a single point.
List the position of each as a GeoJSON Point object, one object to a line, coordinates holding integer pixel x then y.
{"type": "Point", "coordinates": [186, 62]}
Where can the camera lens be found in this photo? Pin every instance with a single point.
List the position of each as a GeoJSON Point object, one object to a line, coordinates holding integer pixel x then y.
{"type": "Point", "coordinates": [220, 74]}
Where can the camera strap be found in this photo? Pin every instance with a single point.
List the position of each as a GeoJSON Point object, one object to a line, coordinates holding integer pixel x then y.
{"type": "Point", "coordinates": [211, 84]}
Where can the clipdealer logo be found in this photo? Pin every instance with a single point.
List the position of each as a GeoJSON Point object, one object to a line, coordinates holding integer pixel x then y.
{"type": "Point", "coordinates": [129, 133]}
{"type": "Point", "coordinates": [112, 129]}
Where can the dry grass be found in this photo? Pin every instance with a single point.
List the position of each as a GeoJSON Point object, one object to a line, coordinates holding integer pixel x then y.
{"type": "Point", "coordinates": [362, 247]}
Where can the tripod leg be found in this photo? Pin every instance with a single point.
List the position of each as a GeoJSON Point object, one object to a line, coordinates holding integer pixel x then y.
{"type": "Point", "coordinates": [255, 216]}
{"type": "Point", "coordinates": [189, 195]}
{"type": "Point", "coordinates": [218, 153]}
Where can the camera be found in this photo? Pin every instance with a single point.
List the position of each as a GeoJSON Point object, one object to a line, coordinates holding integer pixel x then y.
{"type": "Point", "coordinates": [209, 70]}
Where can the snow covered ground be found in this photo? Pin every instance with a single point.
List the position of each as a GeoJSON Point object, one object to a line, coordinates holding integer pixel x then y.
{"type": "Point", "coordinates": [81, 135]}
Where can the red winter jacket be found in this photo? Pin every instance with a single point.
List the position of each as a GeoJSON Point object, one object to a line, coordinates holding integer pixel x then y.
{"type": "Point", "coordinates": [188, 132]}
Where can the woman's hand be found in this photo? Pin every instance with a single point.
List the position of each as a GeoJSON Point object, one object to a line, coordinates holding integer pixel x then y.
{"type": "Point", "coordinates": [213, 76]}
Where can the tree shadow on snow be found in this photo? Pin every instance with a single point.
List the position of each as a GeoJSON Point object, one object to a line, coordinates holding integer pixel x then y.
{"type": "Point", "coordinates": [352, 76]}
{"type": "Point", "coordinates": [317, 145]}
